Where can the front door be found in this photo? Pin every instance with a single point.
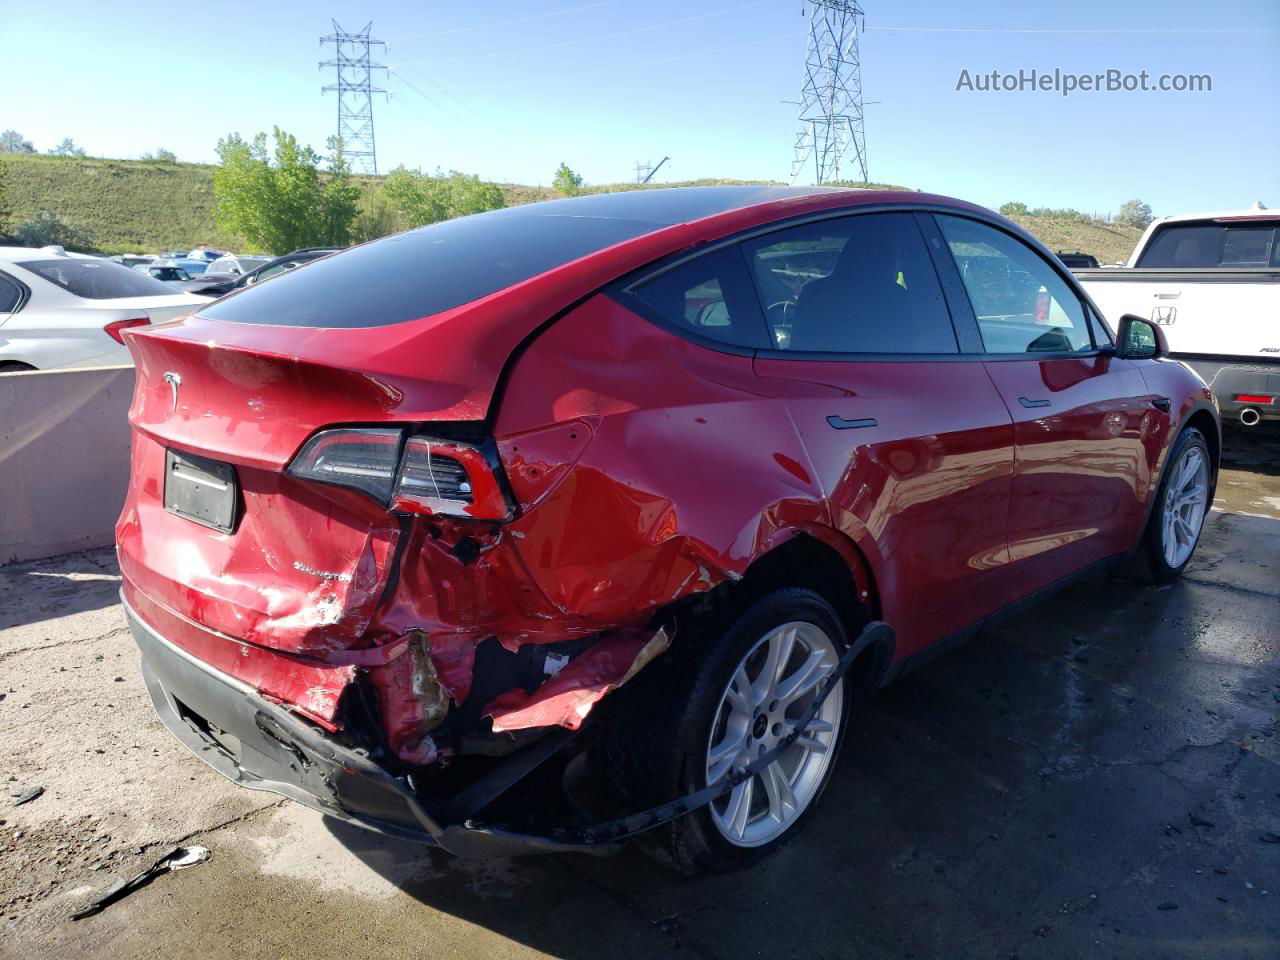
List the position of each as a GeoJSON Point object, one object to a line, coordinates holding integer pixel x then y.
{"type": "Point", "coordinates": [1079, 412]}
{"type": "Point", "coordinates": [908, 437]}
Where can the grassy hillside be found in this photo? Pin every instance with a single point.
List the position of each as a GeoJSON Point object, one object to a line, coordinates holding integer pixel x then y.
{"type": "Point", "coordinates": [127, 205]}
{"type": "Point", "coordinates": [1109, 242]}
{"type": "Point", "coordinates": [134, 205]}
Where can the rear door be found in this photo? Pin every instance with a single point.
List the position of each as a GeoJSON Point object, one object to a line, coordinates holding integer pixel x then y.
{"type": "Point", "coordinates": [1080, 414]}
{"type": "Point", "coordinates": [908, 437]}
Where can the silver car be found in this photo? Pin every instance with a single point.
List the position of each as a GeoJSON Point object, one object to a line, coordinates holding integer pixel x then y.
{"type": "Point", "coordinates": [60, 309]}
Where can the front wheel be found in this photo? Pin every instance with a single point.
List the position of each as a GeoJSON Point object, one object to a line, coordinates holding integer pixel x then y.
{"type": "Point", "coordinates": [756, 679]}
{"type": "Point", "coordinates": [1181, 506]}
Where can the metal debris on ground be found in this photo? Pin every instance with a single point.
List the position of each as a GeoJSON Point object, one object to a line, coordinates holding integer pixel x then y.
{"type": "Point", "coordinates": [178, 858]}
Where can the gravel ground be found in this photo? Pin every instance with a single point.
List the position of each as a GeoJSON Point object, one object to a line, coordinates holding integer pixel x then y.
{"type": "Point", "coordinates": [1097, 777]}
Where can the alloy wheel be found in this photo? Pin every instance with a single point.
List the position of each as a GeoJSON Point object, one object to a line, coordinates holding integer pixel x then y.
{"type": "Point", "coordinates": [772, 687]}
{"type": "Point", "coordinates": [1185, 501]}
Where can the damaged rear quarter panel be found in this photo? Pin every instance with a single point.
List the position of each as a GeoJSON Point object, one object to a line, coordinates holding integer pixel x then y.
{"type": "Point", "coordinates": [690, 468]}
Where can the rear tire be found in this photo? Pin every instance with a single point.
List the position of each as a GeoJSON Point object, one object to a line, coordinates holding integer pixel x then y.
{"type": "Point", "coordinates": [705, 717]}
{"type": "Point", "coordinates": [1181, 506]}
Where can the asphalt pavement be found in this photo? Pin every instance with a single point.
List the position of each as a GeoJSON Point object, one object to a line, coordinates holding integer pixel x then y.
{"type": "Point", "coordinates": [1099, 777]}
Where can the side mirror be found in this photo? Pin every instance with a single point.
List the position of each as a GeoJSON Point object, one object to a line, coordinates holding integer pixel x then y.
{"type": "Point", "coordinates": [1139, 339]}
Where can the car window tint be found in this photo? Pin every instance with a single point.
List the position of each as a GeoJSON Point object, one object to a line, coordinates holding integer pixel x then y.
{"type": "Point", "coordinates": [711, 296]}
{"type": "Point", "coordinates": [10, 295]}
{"type": "Point", "coordinates": [428, 270]}
{"type": "Point", "coordinates": [1021, 303]}
{"type": "Point", "coordinates": [859, 284]}
{"type": "Point", "coordinates": [1186, 246]}
{"type": "Point", "coordinates": [1247, 246]}
{"type": "Point", "coordinates": [96, 279]}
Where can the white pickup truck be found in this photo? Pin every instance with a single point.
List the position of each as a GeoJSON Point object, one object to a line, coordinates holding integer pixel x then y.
{"type": "Point", "coordinates": [1212, 281]}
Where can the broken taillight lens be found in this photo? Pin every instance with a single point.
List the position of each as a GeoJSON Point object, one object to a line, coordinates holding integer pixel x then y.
{"type": "Point", "coordinates": [417, 475]}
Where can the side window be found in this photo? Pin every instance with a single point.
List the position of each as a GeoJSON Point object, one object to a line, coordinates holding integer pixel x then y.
{"type": "Point", "coordinates": [1101, 335]}
{"type": "Point", "coordinates": [711, 296]}
{"type": "Point", "coordinates": [857, 284]}
{"type": "Point", "coordinates": [1021, 303]}
{"type": "Point", "coordinates": [1248, 246]}
{"type": "Point", "coordinates": [10, 295]}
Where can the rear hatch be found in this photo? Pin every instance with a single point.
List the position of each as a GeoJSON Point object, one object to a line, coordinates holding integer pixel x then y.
{"type": "Point", "coordinates": [275, 579]}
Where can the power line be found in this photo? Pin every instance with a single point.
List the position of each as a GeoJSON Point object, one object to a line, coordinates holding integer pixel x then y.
{"type": "Point", "coordinates": [354, 66]}
{"type": "Point", "coordinates": [506, 23]}
{"type": "Point", "coordinates": [1083, 30]}
{"type": "Point", "coordinates": [581, 40]}
{"type": "Point", "coordinates": [618, 67]}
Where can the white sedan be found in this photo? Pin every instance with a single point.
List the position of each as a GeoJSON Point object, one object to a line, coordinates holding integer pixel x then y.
{"type": "Point", "coordinates": [60, 309]}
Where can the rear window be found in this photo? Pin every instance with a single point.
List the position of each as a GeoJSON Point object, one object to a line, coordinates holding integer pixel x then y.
{"type": "Point", "coordinates": [426, 271]}
{"type": "Point", "coordinates": [1193, 246]}
{"type": "Point", "coordinates": [96, 279]}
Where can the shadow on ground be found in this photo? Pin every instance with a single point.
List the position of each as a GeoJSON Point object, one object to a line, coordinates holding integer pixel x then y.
{"type": "Point", "coordinates": [1099, 772]}
{"type": "Point", "coordinates": [40, 590]}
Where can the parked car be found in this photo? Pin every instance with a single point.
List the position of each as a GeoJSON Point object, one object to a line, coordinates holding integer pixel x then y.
{"type": "Point", "coordinates": [236, 265]}
{"type": "Point", "coordinates": [178, 277]}
{"type": "Point", "coordinates": [134, 259]}
{"type": "Point", "coordinates": [195, 268]}
{"type": "Point", "coordinates": [1073, 259]}
{"type": "Point", "coordinates": [629, 499]}
{"type": "Point", "coordinates": [1212, 283]}
{"type": "Point", "coordinates": [202, 253]}
{"type": "Point", "coordinates": [60, 309]}
{"type": "Point", "coordinates": [218, 285]}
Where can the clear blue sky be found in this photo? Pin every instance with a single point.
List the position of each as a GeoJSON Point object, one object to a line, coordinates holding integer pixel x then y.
{"type": "Point", "coordinates": [611, 82]}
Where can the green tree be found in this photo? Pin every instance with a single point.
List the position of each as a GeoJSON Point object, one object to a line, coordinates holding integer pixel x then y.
{"type": "Point", "coordinates": [424, 198]}
{"type": "Point", "coordinates": [1014, 208]}
{"type": "Point", "coordinates": [11, 141]}
{"type": "Point", "coordinates": [45, 228]}
{"type": "Point", "coordinates": [277, 199]}
{"type": "Point", "coordinates": [341, 198]}
{"type": "Point", "coordinates": [1135, 213]}
{"type": "Point", "coordinates": [566, 182]}
{"type": "Point", "coordinates": [161, 156]}
{"type": "Point", "coordinates": [67, 148]}
{"type": "Point", "coordinates": [377, 215]}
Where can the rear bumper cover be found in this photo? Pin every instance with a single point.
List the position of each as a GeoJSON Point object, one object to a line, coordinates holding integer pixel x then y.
{"type": "Point", "coordinates": [261, 745]}
{"type": "Point", "coordinates": [1230, 378]}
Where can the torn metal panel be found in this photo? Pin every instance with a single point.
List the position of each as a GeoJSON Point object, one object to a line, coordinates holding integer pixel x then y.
{"type": "Point", "coordinates": [568, 696]}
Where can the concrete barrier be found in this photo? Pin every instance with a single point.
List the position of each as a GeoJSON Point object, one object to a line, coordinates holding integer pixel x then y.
{"type": "Point", "coordinates": [64, 459]}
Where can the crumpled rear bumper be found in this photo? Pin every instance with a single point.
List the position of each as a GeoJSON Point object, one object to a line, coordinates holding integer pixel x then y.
{"type": "Point", "coordinates": [261, 745]}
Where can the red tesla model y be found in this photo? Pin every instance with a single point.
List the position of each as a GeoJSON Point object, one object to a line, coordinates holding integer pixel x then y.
{"type": "Point", "coordinates": [590, 519]}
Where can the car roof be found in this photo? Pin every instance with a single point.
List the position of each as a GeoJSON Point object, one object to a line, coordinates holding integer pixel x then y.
{"type": "Point", "coordinates": [1257, 211]}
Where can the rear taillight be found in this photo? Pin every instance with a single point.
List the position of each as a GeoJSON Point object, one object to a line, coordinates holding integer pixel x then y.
{"type": "Point", "coordinates": [1261, 399]}
{"type": "Point", "coordinates": [419, 475]}
{"type": "Point", "coordinates": [115, 327]}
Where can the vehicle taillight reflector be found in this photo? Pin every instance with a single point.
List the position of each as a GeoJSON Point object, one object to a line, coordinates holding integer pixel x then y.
{"type": "Point", "coordinates": [417, 475]}
{"type": "Point", "coordinates": [449, 478]}
{"type": "Point", "coordinates": [115, 327]}
{"type": "Point", "coordinates": [1258, 398]}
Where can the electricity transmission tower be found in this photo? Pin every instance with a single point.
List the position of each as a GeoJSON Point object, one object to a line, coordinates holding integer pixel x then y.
{"type": "Point", "coordinates": [830, 119]}
{"type": "Point", "coordinates": [645, 171]}
{"type": "Point", "coordinates": [354, 86]}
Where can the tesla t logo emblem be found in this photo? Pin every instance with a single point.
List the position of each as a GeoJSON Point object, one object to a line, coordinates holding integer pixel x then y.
{"type": "Point", "coordinates": [1164, 315]}
{"type": "Point", "coordinates": [174, 381]}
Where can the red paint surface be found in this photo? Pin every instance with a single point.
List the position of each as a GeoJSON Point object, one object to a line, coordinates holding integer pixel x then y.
{"type": "Point", "coordinates": [644, 469]}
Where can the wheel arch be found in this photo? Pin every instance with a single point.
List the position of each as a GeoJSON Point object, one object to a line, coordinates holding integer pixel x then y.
{"type": "Point", "coordinates": [825, 561]}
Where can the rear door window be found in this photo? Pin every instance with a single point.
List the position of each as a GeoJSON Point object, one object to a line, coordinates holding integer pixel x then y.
{"type": "Point", "coordinates": [1195, 246]}
{"type": "Point", "coordinates": [10, 295]}
{"type": "Point", "coordinates": [710, 296]}
{"type": "Point", "coordinates": [861, 284]}
{"type": "Point", "coordinates": [1021, 303]}
{"type": "Point", "coordinates": [96, 279]}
